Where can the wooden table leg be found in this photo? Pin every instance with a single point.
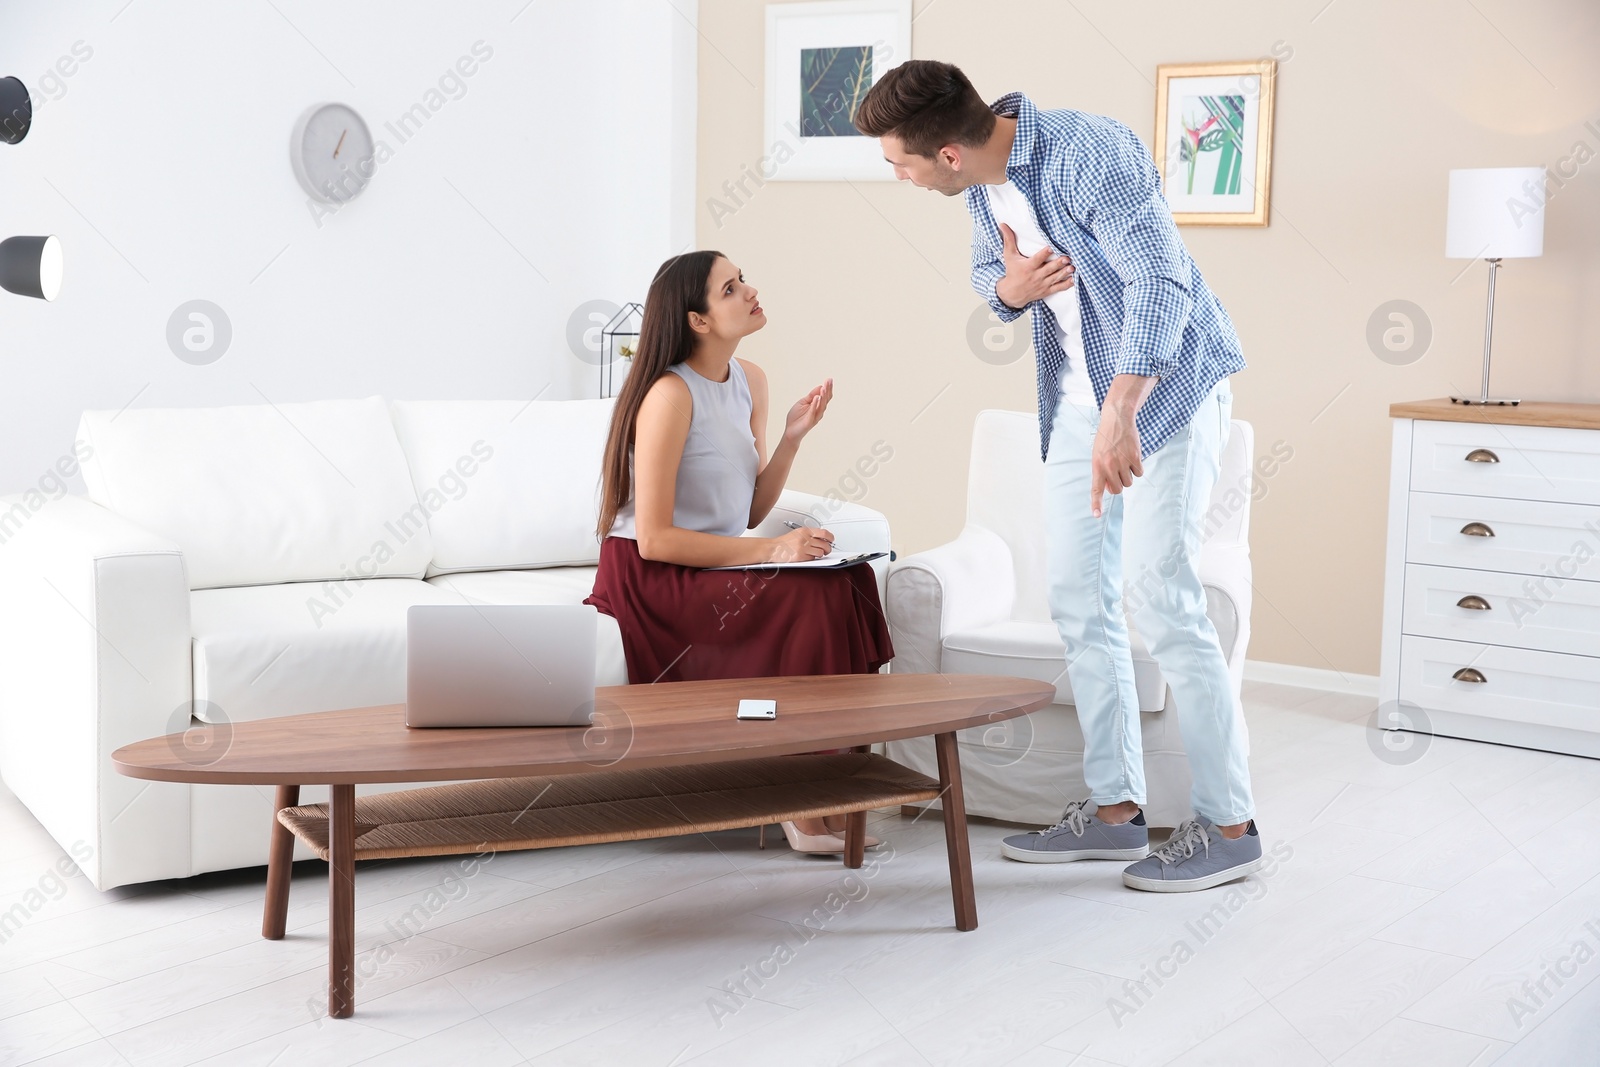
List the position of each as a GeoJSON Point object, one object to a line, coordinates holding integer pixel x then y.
{"type": "Point", "coordinates": [954, 809]}
{"type": "Point", "coordinates": [855, 838]}
{"type": "Point", "coordinates": [855, 830]}
{"type": "Point", "coordinates": [280, 857]}
{"type": "Point", "coordinates": [341, 901]}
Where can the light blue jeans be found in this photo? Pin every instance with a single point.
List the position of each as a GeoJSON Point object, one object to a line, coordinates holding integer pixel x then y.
{"type": "Point", "coordinates": [1150, 534]}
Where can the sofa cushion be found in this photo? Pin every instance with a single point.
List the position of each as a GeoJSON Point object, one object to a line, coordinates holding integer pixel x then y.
{"type": "Point", "coordinates": [1005, 494]}
{"type": "Point", "coordinates": [507, 483]}
{"type": "Point", "coordinates": [263, 493]}
{"type": "Point", "coordinates": [554, 585]}
{"type": "Point", "coordinates": [270, 650]}
{"type": "Point", "coordinates": [1023, 649]}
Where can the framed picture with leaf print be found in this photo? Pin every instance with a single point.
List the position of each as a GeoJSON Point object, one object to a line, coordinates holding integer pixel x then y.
{"type": "Point", "coordinates": [1213, 141]}
{"type": "Point", "coordinates": [822, 57]}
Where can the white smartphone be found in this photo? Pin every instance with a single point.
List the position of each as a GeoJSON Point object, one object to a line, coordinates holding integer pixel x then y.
{"type": "Point", "coordinates": [758, 709]}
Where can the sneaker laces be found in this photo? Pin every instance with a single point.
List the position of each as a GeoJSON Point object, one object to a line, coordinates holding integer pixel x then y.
{"type": "Point", "coordinates": [1185, 839]}
{"type": "Point", "coordinates": [1072, 819]}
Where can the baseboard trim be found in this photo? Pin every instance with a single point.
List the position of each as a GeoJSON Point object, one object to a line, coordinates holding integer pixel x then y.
{"type": "Point", "coordinates": [1364, 685]}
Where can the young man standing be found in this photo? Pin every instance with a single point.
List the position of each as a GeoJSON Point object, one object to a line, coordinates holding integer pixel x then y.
{"type": "Point", "coordinates": [1134, 354]}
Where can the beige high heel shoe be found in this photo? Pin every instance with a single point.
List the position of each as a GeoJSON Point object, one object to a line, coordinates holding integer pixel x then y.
{"type": "Point", "coordinates": [792, 833]}
{"type": "Point", "coordinates": [812, 843]}
{"type": "Point", "coordinates": [870, 842]}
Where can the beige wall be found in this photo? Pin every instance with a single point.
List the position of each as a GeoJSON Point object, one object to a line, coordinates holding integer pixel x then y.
{"type": "Point", "coordinates": [867, 282]}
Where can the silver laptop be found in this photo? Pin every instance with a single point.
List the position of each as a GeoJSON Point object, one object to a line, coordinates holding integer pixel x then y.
{"type": "Point", "coordinates": [500, 664]}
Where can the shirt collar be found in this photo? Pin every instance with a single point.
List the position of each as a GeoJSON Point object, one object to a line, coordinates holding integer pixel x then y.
{"type": "Point", "coordinates": [1018, 106]}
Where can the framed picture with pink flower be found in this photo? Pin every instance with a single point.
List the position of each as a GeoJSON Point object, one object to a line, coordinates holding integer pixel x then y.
{"type": "Point", "coordinates": [1213, 141]}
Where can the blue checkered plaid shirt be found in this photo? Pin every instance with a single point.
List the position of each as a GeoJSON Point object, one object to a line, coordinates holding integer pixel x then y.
{"type": "Point", "coordinates": [1145, 309]}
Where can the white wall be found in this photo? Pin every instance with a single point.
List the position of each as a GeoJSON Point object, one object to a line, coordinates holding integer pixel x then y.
{"type": "Point", "coordinates": [162, 162]}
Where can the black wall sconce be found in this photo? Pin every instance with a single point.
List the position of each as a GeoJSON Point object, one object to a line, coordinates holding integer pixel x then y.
{"type": "Point", "coordinates": [16, 110]}
{"type": "Point", "coordinates": [29, 266]}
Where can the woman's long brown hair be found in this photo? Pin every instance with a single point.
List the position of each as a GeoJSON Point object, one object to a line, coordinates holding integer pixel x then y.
{"type": "Point", "coordinates": [664, 340]}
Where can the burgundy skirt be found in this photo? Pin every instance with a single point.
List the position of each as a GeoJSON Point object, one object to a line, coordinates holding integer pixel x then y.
{"type": "Point", "coordinates": [683, 623]}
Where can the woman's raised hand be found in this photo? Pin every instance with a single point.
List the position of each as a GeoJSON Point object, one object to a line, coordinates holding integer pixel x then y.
{"type": "Point", "coordinates": [807, 412]}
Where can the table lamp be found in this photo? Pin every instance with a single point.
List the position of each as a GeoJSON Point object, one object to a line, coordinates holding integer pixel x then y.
{"type": "Point", "coordinates": [1495, 213]}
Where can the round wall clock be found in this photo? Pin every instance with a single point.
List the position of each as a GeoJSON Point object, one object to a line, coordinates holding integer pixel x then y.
{"type": "Point", "coordinates": [332, 153]}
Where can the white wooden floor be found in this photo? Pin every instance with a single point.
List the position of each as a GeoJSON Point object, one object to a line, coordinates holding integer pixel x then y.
{"type": "Point", "coordinates": [1439, 912]}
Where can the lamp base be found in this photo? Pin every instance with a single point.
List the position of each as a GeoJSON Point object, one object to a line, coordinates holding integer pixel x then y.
{"type": "Point", "coordinates": [1479, 400]}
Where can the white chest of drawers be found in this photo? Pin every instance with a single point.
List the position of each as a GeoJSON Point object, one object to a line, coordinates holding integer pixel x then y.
{"type": "Point", "coordinates": [1491, 616]}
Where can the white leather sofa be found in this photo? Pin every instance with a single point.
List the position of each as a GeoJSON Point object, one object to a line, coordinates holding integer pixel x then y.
{"type": "Point", "coordinates": [238, 563]}
{"type": "Point", "coordinates": [978, 605]}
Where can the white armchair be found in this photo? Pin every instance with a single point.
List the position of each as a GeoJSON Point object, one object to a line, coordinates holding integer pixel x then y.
{"type": "Point", "coordinates": [978, 605]}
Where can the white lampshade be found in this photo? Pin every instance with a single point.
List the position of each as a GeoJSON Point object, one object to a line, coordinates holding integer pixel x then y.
{"type": "Point", "coordinates": [1495, 213]}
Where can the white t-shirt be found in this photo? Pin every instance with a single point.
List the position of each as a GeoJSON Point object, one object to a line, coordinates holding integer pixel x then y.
{"type": "Point", "coordinates": [1012, 208]}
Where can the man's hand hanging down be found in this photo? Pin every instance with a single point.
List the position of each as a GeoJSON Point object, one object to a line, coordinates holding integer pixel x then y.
{"type": "Point", "coordinates": [1115, 461]}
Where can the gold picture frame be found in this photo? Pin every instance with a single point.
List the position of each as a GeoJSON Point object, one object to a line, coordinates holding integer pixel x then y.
{"type": "Point", "coordinates": [1223, 114]}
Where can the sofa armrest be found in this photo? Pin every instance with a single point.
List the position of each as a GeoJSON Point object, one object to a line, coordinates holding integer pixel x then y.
{"type": "Point", "coordinates": [960, 585]}
{"type": "Point", "coordinates": [94, 653]}
{"type": "Point", "coordinates": [854, 526]}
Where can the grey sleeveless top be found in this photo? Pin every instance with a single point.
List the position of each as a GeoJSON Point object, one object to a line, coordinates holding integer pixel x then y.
{"type": "Point", "coordinates": [717, 475]}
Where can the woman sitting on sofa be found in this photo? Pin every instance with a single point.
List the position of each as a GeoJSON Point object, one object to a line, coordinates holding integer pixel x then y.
{"type": "Point", "coordinates": [685, 473]}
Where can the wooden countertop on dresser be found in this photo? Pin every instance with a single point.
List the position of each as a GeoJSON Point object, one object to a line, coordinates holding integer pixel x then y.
{"type": "Point", "coordinates": [1527, 413]}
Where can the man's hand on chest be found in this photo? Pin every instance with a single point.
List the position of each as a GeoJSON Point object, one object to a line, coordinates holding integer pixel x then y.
{"type": "Point", "coordinates": [1030, 278]}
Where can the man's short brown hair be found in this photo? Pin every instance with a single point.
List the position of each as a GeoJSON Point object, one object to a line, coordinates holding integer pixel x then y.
{"type": "Point", "coordinates": [926, 104]}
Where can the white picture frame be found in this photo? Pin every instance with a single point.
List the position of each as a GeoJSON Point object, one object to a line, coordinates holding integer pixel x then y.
{"type": "Point", "coordinates": [818, 143]}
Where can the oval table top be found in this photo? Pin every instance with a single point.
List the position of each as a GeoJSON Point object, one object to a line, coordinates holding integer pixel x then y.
{"type": "Point", "coordinates": [658, 725]}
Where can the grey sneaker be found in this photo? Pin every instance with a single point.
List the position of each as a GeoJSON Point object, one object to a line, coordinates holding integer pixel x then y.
{"type": "Point", "coordinates": [1197, 857]}
{"type": "Point", "coordinates": [1080, 835]}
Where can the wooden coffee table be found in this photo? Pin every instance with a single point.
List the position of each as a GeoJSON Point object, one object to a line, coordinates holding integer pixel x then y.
{"type": "Point", "coordinates": [661, 760]}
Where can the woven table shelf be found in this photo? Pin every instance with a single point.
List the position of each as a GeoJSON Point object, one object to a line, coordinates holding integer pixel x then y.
{"type": "Point", "coordinates": [505, 814]}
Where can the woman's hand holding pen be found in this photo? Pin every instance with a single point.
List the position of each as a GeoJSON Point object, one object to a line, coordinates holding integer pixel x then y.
{"type": "Point", "coordinates": [800, 543]}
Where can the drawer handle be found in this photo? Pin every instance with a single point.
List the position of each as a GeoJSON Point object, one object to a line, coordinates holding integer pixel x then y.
{"type": "Point", "coordinates": [1482, 455]}
{"type": "Point", "coordinates": [1469, 674]}
{"type": "Point", "coordinates": [1474, 602]}
{"type": "Point", "coordinates": [1477, 529]}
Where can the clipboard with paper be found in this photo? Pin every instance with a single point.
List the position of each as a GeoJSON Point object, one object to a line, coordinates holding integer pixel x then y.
{"type": "Point", "coordinates": [830, 561]}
